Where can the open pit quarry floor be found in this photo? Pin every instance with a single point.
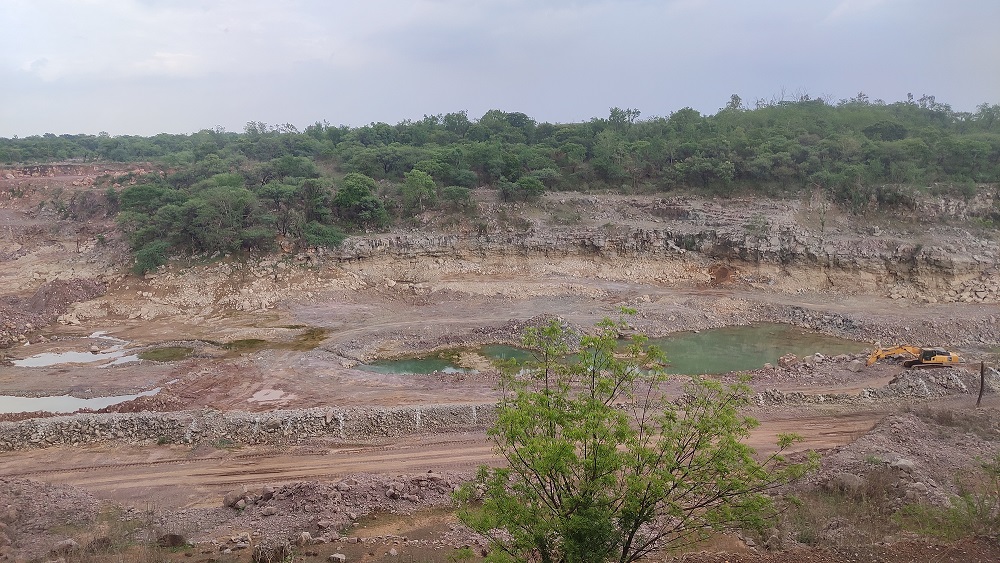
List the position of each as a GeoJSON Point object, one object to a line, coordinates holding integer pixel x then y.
{"type": "Point", "coordinates": [288, 332]}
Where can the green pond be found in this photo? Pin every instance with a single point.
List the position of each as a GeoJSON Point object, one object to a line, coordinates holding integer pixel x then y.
{"type": "Point", "coordinates": [712, 351]}
{"type": "Point", "coordinates": [425, 364]}
{"type": "Point", "coordinates": [504, 352]}
{"type": "Point", "coordinates": [737, 348]}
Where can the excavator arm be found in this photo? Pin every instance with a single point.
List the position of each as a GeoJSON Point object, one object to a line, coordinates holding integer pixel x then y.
{"type": "Point", "coordinates": [880, 353]}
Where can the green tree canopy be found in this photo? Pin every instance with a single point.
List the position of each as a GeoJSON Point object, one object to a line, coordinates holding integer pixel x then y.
{"type": "Point", "coordinates": [419, 190]}
{"type": "Point", "coordinates": [600, 466]}
{"type": "Point", "coordinates": [356, 202]}
{"type": "Point", "coordinates": [861, 153]}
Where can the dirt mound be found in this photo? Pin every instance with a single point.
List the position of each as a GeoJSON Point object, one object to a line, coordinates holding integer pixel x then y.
{"type": "Point", "coordinates": [719, 274]}
{"type": "Point", "coordinates": [320, 508]}
{"type": "Point", "coordinates": [19, 317]}
{"type": "Point", "coordinates": [34, 516]}
{"type": "Point", "coordinates": [161, 402]}
{"type": "Point", "coordinates": [54, 297]}
{"type": "Point", "coordinates": [971, 550]}
{"type": "Point", "coordinates": [15, 321]}
{"type": "Point", "coordinates": [909, 463]}
{"type": "Point", "coordinates": [932, 446]}
{"type": "Point", "coordinates": [16, 416]}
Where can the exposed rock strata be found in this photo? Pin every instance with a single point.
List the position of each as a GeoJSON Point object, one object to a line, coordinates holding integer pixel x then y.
{"type": "Point", "coordinates": [883, 265]}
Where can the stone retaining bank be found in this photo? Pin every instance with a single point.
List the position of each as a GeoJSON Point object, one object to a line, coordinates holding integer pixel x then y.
{"type": "Point", "coordinates": [291, 426]}
{"type": "Point", "coordinates": [914, 385]}
{"type": "Point", "coordinates": [244, 428]}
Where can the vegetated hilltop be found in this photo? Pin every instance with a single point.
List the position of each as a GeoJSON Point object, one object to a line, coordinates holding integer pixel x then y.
{"type": "Point", "coordinates": [216, 191]}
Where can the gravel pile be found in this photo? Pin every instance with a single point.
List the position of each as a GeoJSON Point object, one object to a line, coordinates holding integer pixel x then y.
{"type": "Point", "coordinates": [927, 452]}
{"type": "Point", "coordinates": [35, 517]}
{"type": "Point", "coordinates": [311, 512]}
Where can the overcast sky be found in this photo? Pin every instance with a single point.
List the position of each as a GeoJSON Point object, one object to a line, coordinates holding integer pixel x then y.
{"type": "Point", "coordinates": [178, 66]}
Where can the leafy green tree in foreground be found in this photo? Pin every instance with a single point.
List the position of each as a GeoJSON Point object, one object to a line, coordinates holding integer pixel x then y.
{"type": "Point", "coordinates": [601, 467]}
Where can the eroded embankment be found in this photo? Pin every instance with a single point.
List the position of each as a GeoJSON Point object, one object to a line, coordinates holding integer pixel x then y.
{"type": "Point", "coordinates": [676, 242]}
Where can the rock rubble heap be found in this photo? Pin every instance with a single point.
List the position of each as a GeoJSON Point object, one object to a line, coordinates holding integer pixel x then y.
{"type": "Point", "coordinates": [20, 317]}
{"type": "Point", "coordinates": [312, 512]}
{"type": "Point", "coordinates": [984, 289]}
{"type": "Point", "coordinates": [910, 385]}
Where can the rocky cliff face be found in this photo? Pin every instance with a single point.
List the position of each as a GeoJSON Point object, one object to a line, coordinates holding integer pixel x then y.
{"type": "Point", "coordinates": [878, 264]}
{"type": "Point", "coordinates": [791, 260]}
{"type": "Point", "coordinates": [84, 172]}
{"type": "Point", "coordinates": [779, 246]}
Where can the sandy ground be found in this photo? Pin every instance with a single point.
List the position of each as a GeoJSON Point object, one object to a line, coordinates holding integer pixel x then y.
{"type": "Point", "coordinates": [177, 477]}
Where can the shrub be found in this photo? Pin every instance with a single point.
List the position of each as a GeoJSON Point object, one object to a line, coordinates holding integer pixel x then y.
{"type": "Point", "coordinates": [318, 234]}
{"type": "Point", "coordinates": [150, 257]}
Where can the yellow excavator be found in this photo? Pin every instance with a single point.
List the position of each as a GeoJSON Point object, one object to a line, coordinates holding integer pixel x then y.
{"type": "Point", "coordinates": [921, 357]}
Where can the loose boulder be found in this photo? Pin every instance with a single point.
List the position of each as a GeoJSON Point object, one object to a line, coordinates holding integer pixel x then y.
{"type": "Point", "coordinates": [232, 498]}
{"type": "Point", "coordinates": [845, 483]}
{"type": "Point", "coordinates": [788, 360]}
{"type": "Point", "coordinates": [171, 540]}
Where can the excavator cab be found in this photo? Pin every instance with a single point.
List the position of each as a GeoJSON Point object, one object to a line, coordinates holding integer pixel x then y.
{"type": "Point", "coordinates": [927, 354]}
{"type": "Point", "coordinates": [934, 357]}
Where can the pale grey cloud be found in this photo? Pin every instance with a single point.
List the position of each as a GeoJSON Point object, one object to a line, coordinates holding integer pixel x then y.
{"type": "Point", "coordinates": [849, 9]}
{"type": "Point", "coordinates": [146, 66]}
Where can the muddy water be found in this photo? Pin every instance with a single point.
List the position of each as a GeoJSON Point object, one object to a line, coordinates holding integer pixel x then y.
{"type": "Point", "coordinates": [114, 355]}
{"type": "Point", "coordinates": [56, 358]}
{"type": "Point", "coordinates": [713, 351]}
{"type": "Point", "coordinates": [64, 403]}
{"type": "Point", "coordinates": [503, 352]}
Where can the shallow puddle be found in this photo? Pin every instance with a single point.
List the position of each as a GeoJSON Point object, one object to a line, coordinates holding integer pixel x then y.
{"type": "Point", "coordinates": [55, 358]}
{"type": "Point", "coordinates": [113, 355]}
{"type": "Point", "coordinates": [309, 339]}
{"type": "Point", "coordinates": [64, 403]}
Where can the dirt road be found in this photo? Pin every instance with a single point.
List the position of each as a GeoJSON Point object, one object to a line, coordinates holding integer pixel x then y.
{"type": "Point", "coordinates": [176, 477]}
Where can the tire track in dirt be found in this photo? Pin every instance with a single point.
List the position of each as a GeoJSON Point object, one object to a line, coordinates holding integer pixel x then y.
{"type": "Point", "coordinates": [182, 481]}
